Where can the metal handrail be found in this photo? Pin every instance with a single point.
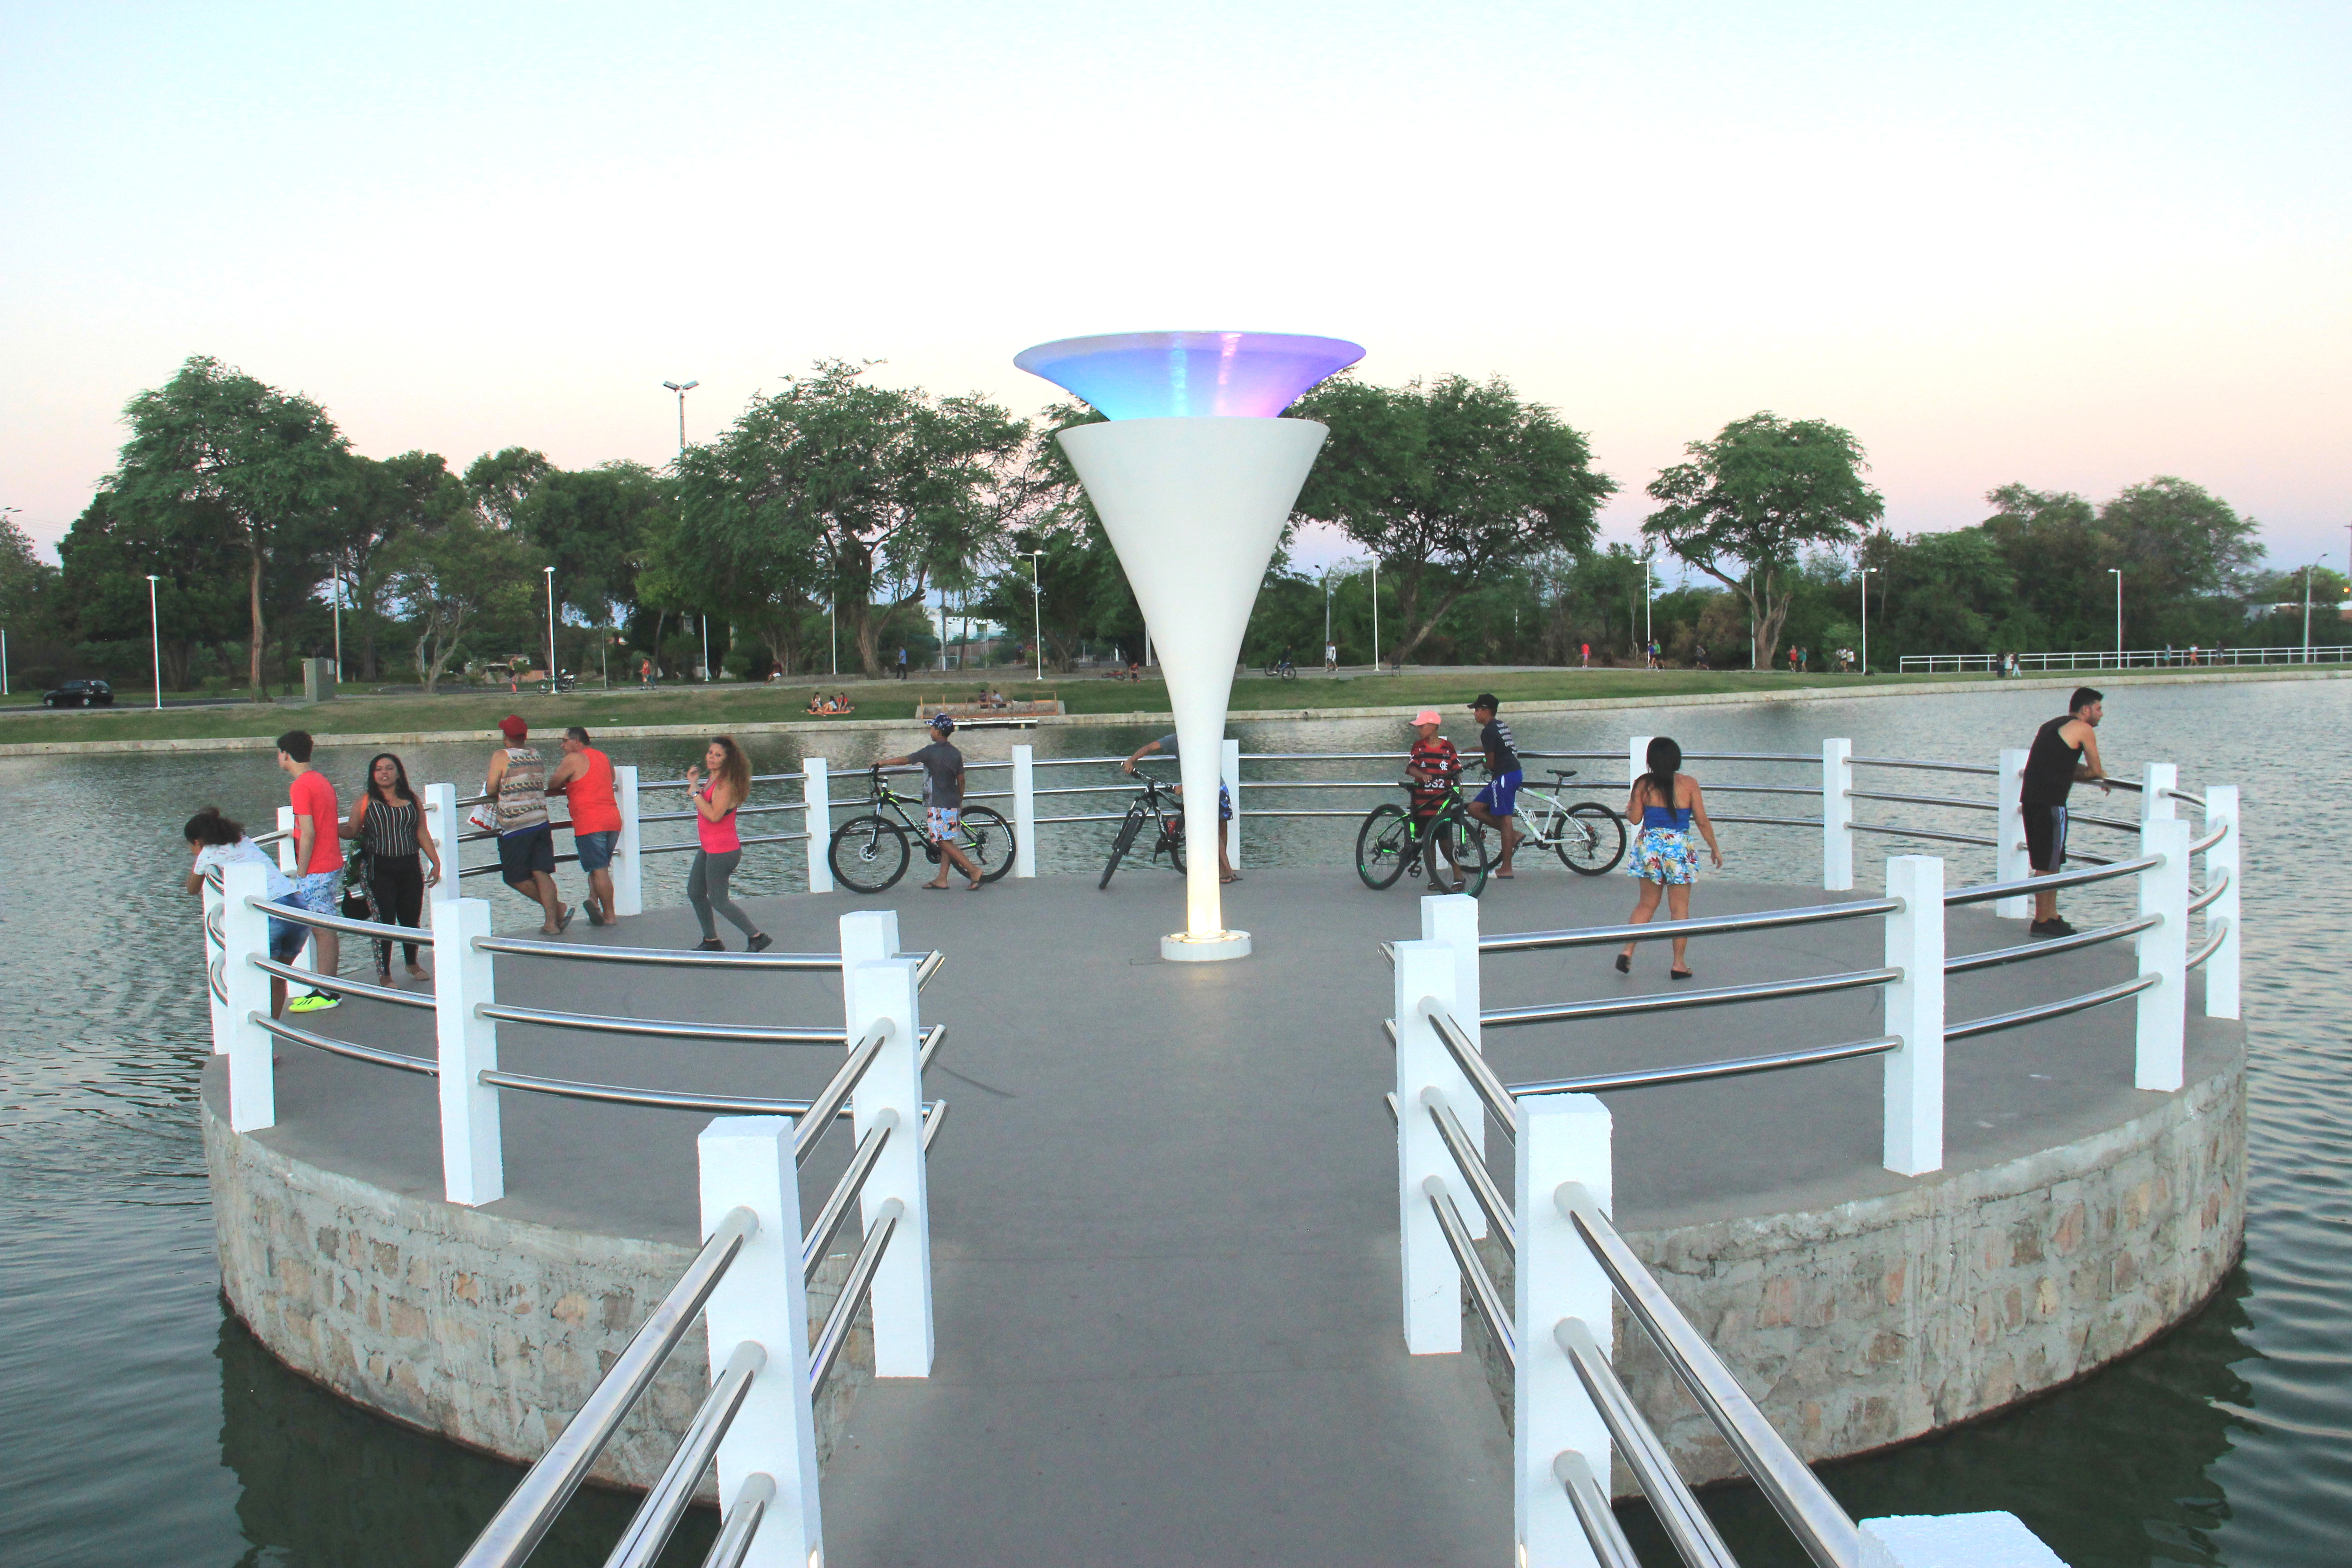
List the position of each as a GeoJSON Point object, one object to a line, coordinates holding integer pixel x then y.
{"type": "Point", "coordinates": [1336, 756]}
{"type": "Point", "coordinates": [1473, 1268]}
{"type": "Point", "coordinates": [655, 1099]}
{"type": "Point", "coordinates": [2037, 949]}
{"type": "Point", "coordinates": [1821, 1527]}
{"type": "Point", "coordinates": [525, 1517]}
{"type": "Point", "coordinates": [935, 1116]}
{"type": "Point", "coordinates": [742, 1522]}
{"type": "Point", "coordinates": [1700, 1072]}
{"type": "Point", "coordinates": [1995, 1022]}
{"type": "Point", "coordinates": [1977, 840]}
{"type": "Point", "coordinates": [1593, 1512]}
{"type": "Point", "coordinates": [358, 1053]}
{"type": "Point", "coordinates": [1916, 799]}
{"type": "Point", "coordinates": [526, 947]}
{"type": "Point", "coordinates": [1450, 1132]}
{"type": "Point", "coordinates": [1761, 920]}
{"type": "Point", "coordinates": [2213, 941]}
{"type": "Point", "coordinates": [854, 1291]}
{"type": "Point", "coordinates": [667, 1028]}
{"type": "Point", "coordinates": [420, 936]}
{"type": "Point", "coordinates": [1473, 1066]}
{"type": "Point", "coordinates": [745, 843]}
{"type": "Point", "coordinates": [1761, 789]}
{"type": "Point", "coordinates": [656, 1518]}
{"type": "Point", "coordinates": [2221, 886]}
{"type": "Point", "coordinates": [2221, 831]}
{"type": "Point", "coordinates": [1984, 892]}
{"type": "Point", "coordinates": [1768, 821]}
{"type": "Point", "coordinates": [1745, 756]}
{"type": "Point", "coordinates": [1978, 768]}
{"type": "Point", "coordinates": [1668, 1000]}
{"type": "Point", "coordinates": [1686, 1523]}
{"type": "Point", "coordinates": [845, 1191]}
{"type": "Point", "coordinates": [835, 1094]}
{"type": "Point", "coordinates": [336, 982]}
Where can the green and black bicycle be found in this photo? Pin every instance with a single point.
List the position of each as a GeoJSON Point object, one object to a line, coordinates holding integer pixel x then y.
{"type": "Point", "coordinates": [871, 853]}
{"type": "Point", "coordinates": [1394, 840]}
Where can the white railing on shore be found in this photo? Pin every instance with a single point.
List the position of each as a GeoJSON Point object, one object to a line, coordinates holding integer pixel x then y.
{"type": "Point", "coordinates": [2130, 658]}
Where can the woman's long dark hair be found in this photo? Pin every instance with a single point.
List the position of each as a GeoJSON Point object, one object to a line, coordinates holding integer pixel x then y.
{"type": "Point", "coordinates": [399, 778]}
{"type": "Point", "coordinates": [736, 770]}
{"type": "Point", "coordinates": [209, 826]}
{"type": "Point", "coordinates": [1665, 760]}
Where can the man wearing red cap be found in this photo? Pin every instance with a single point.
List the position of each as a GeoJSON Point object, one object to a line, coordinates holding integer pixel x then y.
{"type": "Point", "coordinates": [517, 785]}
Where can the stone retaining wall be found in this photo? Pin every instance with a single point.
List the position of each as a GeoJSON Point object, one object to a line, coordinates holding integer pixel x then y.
{"type": "Point", "coordinates": [482, 1329]}
{"type": "Point", "coordinates": [1883, 1319]}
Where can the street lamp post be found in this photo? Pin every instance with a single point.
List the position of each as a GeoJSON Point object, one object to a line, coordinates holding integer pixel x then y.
{"type": "Point", "coordinates": [1866, 571]}
{"type": "Point", "coordinates": [1649, 594]}
{"type": "Point", "coordinates": [1376, 614]}
{"type": "Point", "coordinates": [2306, 604]}
{"type": "Point", "coordinates": [681, 388]}
{"type": "Point", "coordinates": [1037, 610]}
{"type": "Point", "coordinates": [551, 684]}
{"type": "Point", "coordinates": [2117, 574]}
{"type": "Point", "coordinates": [156, 636]}
{"type": "Point", "coordinates": [339, 627]}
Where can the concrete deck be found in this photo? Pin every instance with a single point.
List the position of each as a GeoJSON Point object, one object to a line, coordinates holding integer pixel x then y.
{"type": "Point", "coordinates": [1164, 1208]}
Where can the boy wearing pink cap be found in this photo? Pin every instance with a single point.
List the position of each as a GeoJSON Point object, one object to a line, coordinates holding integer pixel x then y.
{"type": "Point", "coordinates": [1432, 765]}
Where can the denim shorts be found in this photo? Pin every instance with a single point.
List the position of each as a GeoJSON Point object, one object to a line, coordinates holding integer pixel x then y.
{"type": "Point", "coordinates": [595, 850]}
{"type": "Point", "coordinates": [287, 937]}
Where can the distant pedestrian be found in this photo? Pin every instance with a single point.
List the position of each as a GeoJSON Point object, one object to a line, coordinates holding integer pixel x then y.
{"type": "Point", "coordinates": [1668, 805]}
{"type": "Point", "coordinates": [2065, 751]}
{"type": "Point", "coordinates": [902, 664]}
{"type": "Point", "coordinates": [1330, 657]}
{"type": "Point", "coordinates": [1584, 655]}
{"type": "Point", "coordinates": [213, 842]}
{"type": "Point", "coordinates": [1698, 656]}
{"type": "Point", "coordinates": [721, 850]}
{"type": "Point", "coordinates": [1498, 801]}
{"type": "Point", "coordinates": [517, 785]}
{"type": "Point", "coordinates": [318, 859]}
{"type": "Point", "coordinates": [646, 673]}
{"type": "Point", "coordinates": [1166, 747]}
{"type": "Point", "coordinates": [584, 779]}
{"type": "Point", "coordinates": [943, 765]}
{"type": "Point", "coordinates": [387, 822]}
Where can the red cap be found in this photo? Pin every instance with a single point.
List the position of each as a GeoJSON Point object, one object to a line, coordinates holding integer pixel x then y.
{"type": "Point", "coordinates": [513, 728]}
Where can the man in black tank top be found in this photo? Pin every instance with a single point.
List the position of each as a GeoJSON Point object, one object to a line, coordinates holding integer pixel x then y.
{"type": "Point", "coordinates": [2065, 750]}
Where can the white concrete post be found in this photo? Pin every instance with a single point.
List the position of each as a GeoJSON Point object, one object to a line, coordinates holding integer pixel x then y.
{"type": "Point", "coordinates": [2154, 802]}
{"type": "Point", "coordinates": [1943, 1541]}
{"type": "Point", "coordinates": [1452, 919]}
{"type": "Point", "coordinates": [628, 845]}
{"type": "Point", "coordinates": [287, 862]}
{"type": "Point", "coordinates": [1837, 816]}
{"type": "Point", "coordinates": [892, 1091]}
{"type": "Point", "coordinates": [1025, 811]}
{"type": "Point", "coordinates": [245, 931]}
{"type": "Point", "coordinates": [1229, 774]}
{"type": "Point", "coordinates": [1562, 1138]}
{"type": "Point", "coordinates": [1433, 1281]}
{"type": "Point", "coordinates": [817, 790]}
{"type": "Point", "coordinates": [2223, 859]}
{"type": "Point", "coordinates": [747, 1162]}
{"type": "Point", "coordinates": [1913, 1137]}
{"type": "Point", "coordinates": [473, 1148]}
{"type": "Point", "coordinates": [2011, 861]}
{"type": "Point", "coordinates": [868, 936]}
{"type": "Point", "coordinates": [2163, 948]}
{"type": "Point", "coordinates": [1637, 758]}
{"type": "Point", "coordinates": [442, 821]}
{"type": "Point", "coordinates": [217, 967]}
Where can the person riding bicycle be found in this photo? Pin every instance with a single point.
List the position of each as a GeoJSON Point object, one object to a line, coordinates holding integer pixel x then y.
{"type": "Point", "coordinates": [1166, 746]}
{"type": "Point", "coordinates": [1498, 802]}
{"type": "Point", "coordinates": [942, 766]}
{"type": "Point", "coordinates": [1433, 766]}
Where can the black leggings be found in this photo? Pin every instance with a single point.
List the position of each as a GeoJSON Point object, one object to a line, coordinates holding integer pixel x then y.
{"type": "Point", "coordinates": [397, 883]}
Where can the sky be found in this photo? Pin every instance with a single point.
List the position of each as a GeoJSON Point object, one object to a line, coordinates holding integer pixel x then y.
{"type": "Point", "coordinates": [2071, 246]}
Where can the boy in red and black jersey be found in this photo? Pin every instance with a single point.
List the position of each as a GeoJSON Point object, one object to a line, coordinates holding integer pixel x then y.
{"type": "Point", "coordinates": [1432, 765]}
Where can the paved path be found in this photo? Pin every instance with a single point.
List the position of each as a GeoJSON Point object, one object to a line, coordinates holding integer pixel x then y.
{"type": "Point", "coordinates": [1164, 1212]}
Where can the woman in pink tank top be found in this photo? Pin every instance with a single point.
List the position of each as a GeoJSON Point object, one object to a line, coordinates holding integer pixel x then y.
{"type": "Point", "coordinates": [715, 805]}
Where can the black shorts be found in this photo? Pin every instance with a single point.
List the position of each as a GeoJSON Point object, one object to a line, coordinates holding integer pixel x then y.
{"type": "Point", "coordinates": [2045, 836]}
{"type": "Point", "coordinates": [520, 854]}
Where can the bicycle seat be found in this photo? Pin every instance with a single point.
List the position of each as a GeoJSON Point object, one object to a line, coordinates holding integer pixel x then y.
{"type": "Point", "coordinates": [1562, 773]}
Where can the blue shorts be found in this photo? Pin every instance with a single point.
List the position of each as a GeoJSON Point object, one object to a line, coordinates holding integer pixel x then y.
{"type": "Point", "coordinates": [595, 850]}
{"type": "Point", "coordinates": [287, 937]}
{"type": "Point", "coordinates": [1501, 794]}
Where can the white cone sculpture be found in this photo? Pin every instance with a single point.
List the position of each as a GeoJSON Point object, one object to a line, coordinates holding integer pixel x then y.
{"type": "Point", "coordinates": [1194, 479]}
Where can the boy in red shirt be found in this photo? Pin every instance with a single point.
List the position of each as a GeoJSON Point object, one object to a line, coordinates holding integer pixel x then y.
{"type": "Point", "coordinates": [318, 859]}
{"type": "Point", "coordinates": [1432, 765]}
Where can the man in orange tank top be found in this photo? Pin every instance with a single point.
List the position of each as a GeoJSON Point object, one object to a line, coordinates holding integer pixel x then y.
{"type": "Point", "coordinates": [584, 779]}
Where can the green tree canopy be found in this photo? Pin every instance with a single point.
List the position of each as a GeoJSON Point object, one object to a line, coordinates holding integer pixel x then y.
{"type": "Point", "coordinates": [1751, 501]}
{"type": "Point", "coordinates": [1446, 483]}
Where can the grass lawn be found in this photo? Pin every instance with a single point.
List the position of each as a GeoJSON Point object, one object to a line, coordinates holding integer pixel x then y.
{"type": "Point", "coordinates": [718, 706]}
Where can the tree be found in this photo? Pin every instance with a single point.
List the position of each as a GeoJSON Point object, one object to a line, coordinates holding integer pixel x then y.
{"type": "Point", "coordinates": [453, 574]}
{"type": "Point", "coordinates": [501, 481]}
{"type": "Point", "coordinates": [594, 525]}
{"type": "Point", "coordinates": [1447, 483]}
{"type": "Point", "coordinates": [1749, 502]}
{"type": "Point", "coordinates": [270, 462]}
{"type": "Point", "coordinates": [102, 593]}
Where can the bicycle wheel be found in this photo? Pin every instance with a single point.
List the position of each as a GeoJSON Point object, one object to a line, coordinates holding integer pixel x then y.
{"type": "Point", "coordinates": [987, 839]}
{"type": "Point", "coordinates": [1122, 843]}
{"type": "Point", "coordinates": [1289, 672]}
{"type": "Point", "coordinates": [1591, 839]}
{"type": "Point", "coordinates": [1472, 851]}
{"type": "Point", "coordinates": [868, 854]}
{"type": "Point", "coordinates": [1382, 846]}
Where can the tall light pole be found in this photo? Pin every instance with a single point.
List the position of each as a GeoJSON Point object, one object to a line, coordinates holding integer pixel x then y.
{"type": "Point", "coordinates": [156, 633]}
{"type": "Point", "coordinates": [1866, 571]}
{"type": "Point", "coordinates": [1376, 614]}
{"type": "Point", "coordinates": [339, 627]}
{"type": "Point", "coordinates": [2306, 604]}
{"type": "Point", "coordinates": [1037, 609]}
{"type": "Point", "coordinates": [1649, 593]}
{"type": "Point", "coordinates": [551, 684]}
{"type": "Point", "coordinates": [681, 388]}
{"type": "Point", "coordinates": [2117, 574]}
{"type": "Point", "coordinates": [4, 513]}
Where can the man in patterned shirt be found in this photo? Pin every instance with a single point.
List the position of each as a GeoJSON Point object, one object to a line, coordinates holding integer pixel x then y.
{"type": "Point", "coordinates": [1432, 764]}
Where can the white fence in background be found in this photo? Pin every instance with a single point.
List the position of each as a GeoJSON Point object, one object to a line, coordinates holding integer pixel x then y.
{"type": "Point", "coordinates": [2130, 658]}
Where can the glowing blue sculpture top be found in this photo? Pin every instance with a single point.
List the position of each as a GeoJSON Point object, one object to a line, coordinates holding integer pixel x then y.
{"type": "Point", "coordinates": [1158, 376]}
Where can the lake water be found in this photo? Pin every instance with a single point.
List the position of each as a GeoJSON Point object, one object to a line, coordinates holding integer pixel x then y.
{"type": "Point", "coordinates": [144, 1425]}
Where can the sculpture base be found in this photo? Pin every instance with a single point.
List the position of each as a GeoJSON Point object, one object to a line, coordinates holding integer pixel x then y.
{"type": "Point", "coordinates": [1182, 947]}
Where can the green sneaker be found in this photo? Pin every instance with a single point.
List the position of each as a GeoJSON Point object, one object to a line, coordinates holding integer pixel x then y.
{"type": "Point", "coordinates": [313, 1001]}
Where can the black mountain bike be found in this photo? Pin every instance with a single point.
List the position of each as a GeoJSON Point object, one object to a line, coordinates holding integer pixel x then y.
{"type": "Point", "coordinates": [1394, 840]}
{"type": "Point", "coordinates": [1155, 806]}
{"type": "Point", "coordinates": [871, 853]}
{"type": "Point", "coordinates": [1282, 668]}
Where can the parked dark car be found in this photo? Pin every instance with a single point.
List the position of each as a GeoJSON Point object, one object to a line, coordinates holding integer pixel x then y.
{"type": "Point", "coordinates": [81, 694]}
